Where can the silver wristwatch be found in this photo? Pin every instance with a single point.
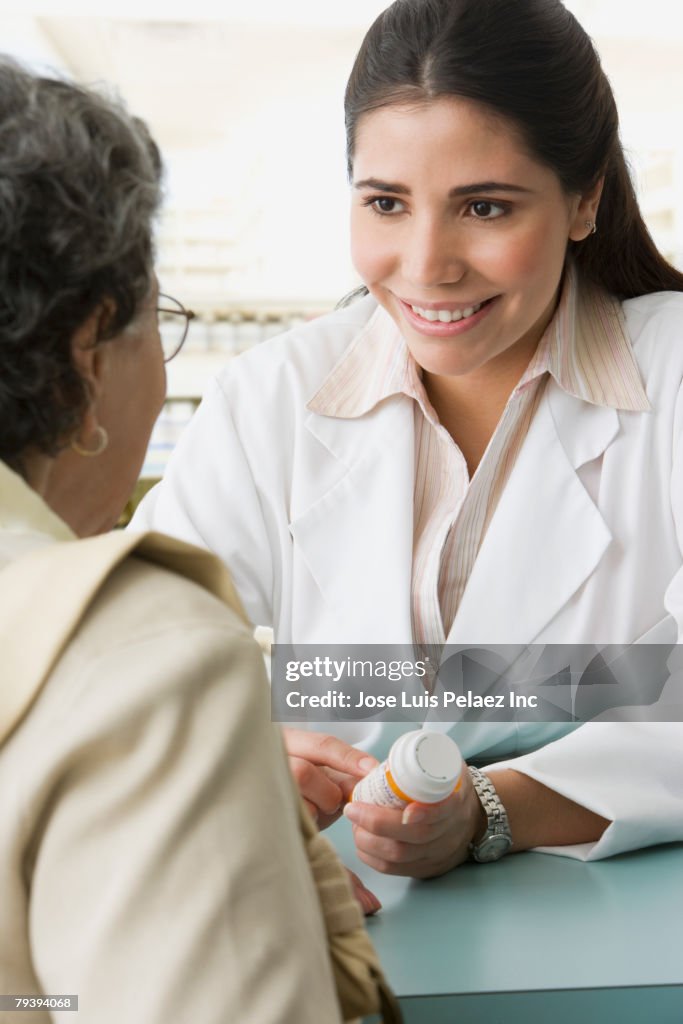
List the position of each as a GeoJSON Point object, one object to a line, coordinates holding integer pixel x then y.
{"type": "Point", "coordinates": [497, 839]}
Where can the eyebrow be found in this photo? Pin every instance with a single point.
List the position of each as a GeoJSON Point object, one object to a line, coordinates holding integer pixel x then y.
{"type": "Point", "coordinates": [461, 190]}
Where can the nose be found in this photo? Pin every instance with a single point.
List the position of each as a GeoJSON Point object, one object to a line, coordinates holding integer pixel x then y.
{"type": "Point", "coordinates": [434, 254]}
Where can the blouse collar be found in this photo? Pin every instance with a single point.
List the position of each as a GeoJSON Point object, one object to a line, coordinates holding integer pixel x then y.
{"type": "Point", "coordinates": [585, 348]}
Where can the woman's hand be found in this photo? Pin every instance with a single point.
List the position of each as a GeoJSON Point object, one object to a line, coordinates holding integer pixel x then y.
{"type": "Point", "coordinates": [421, 841]}
{"type": "Point", "coordinates": [325, 769]}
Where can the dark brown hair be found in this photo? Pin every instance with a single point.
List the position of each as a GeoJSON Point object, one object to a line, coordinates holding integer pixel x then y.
{"type": "Point", "coordinates": [531, 62]}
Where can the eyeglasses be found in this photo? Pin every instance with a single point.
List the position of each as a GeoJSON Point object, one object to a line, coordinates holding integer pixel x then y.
{"type": "Point", "coordinates": [173, 331]}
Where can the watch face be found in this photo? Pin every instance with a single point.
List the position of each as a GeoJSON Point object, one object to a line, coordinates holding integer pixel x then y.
{"type": "Point", "coordinates": [492, 848]}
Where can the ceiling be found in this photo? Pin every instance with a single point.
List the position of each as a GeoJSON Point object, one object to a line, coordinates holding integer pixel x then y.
{"type": "Point", "coordinates": [190, 80]}
{"type": "Point", "coordinates": [191, 77]}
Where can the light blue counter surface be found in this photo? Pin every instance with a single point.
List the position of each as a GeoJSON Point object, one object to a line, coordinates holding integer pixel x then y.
{"type": "Point", "coordinates": [534, 938]}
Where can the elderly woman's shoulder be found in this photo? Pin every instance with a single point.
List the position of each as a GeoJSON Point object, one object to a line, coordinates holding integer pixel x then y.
{"type": "Point", "coordinates": [141, 600]}
{"type": "Point", "coordinates": [151, 632]}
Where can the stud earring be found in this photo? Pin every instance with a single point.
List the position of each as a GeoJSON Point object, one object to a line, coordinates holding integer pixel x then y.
{"type": "Point", "coordinates": [591, 225]}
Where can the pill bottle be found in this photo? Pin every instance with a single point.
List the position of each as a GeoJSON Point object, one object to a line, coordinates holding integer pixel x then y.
{"type": "Point", "coordinates": [423, 767]}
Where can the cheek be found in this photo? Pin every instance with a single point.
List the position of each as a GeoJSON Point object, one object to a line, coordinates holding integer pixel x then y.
{"type": "Point", "coordinates": [370, 253]}
{"type": "Point", "coordinates": [154, 368]}
{"type": "Point", "coordinates": [523, 259]}
{"type": "Point", "coordinates": [148, 388]}
{"type": "Point", "coordinates": [161, 383]}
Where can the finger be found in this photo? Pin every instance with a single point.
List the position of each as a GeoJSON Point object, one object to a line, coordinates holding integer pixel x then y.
{"type": "Point", "coordinates": [369, 903]}
{"type": "Point", "coordinates": [325, 820]}
{"type": "Point", "coordinates": [415, 869]}
{"type": "Point", "coordinates": [315, 787]}
{"type": "Point", "coordinates": [347, 783]}
{"type": "Point", "coordinates": [381, 821]}
{"type": "Point", "coordinates": [390, 851]}
{"type": "Point", "coordinates": [386, 867]}
{"type": "Point", "coordinates": [321, 749]}
{"type": "Point", "coordinates": [311, 808]}
{"type": "Point", "coordinates": [432, 814]}
{"type": "Point", "coordinates": [416, 813]}
{"type": "Point", "coordinates": [388, 822]}
{"type": "Point", "coordinates": [393, 858]}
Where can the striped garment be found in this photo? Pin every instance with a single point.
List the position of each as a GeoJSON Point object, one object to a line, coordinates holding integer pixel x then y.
{"type": "Point", "coordinates": [587, 351]}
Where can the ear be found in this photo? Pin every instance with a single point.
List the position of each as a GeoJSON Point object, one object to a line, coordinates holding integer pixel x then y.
{"type": "Point", "coordinates": [90, 358]}
{"type": "Point", "coordinates": [586, 210]}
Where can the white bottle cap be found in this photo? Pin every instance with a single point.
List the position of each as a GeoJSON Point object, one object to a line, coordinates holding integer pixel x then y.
{"type": "Point", "coordinates": [425, 766]}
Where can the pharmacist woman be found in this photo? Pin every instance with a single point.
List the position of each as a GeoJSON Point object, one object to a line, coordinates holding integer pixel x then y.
{"type": "Point", "coordinates": [485, 449]}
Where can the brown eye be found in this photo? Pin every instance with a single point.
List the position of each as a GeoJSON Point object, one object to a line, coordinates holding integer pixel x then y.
{"type": "Point", "coordinates": [484, 209]}
{"type": "Point", "coordinates": [384, 205]}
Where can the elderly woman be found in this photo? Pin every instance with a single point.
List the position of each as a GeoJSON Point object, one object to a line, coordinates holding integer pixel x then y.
{"type": "Point", "coordinates": [150, 855]}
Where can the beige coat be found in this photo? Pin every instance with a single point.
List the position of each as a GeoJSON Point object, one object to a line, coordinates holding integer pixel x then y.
{"type": "Point", "coordinates": [150, 855]}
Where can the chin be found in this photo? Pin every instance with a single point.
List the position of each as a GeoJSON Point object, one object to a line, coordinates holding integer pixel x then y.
{"type": "Point", "coordinates": [444, 363]}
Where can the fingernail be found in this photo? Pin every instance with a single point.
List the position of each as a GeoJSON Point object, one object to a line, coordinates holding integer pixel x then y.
{"type": "Point", "coordinates": [372, 905]}
{"type": "Point", "coordinates": [411, 817]}
{"type": "Point", "coordinates": [351, 812]}
{"type": "Point", "coordinates": [366, 764]}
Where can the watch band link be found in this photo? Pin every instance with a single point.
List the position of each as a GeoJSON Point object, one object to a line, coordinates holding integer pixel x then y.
{"type": "Point", "coordinates": [497, 839]}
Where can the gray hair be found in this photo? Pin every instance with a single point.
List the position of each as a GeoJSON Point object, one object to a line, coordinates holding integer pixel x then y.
{"type": "Point", "coordinates": [80, 184]}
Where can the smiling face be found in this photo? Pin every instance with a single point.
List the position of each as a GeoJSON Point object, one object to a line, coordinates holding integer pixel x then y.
{"type": "Point", "coordinates": [460, 234]}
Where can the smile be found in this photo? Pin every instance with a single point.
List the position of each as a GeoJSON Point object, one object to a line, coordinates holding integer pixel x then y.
{"type": "Point", "coordinates": [447, 320]}
{"type": "Point", "coordinates": [447, 316]}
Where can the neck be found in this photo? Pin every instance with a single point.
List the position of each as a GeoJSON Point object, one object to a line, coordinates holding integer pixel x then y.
{"type": "Point", "coordinates": [469, 407]}
{"type": "Point", "coordinates": [36, 470]}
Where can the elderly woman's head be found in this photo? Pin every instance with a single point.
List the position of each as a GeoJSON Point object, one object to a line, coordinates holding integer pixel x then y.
{"type": "Point", "coordinates": [80, 356]}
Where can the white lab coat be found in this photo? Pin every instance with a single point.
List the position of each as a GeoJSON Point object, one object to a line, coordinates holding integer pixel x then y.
{"type": "Point", "coordinates": [314, 517]}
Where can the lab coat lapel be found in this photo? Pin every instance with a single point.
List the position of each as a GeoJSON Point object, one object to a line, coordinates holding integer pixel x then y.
{"type": "Point", "coordinates": [546, 536]}
{"type": "Point", "coordinates": [356, 533]}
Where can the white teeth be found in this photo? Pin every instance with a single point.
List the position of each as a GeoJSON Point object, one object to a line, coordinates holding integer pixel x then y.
{"type": "Point", "coordinates": [446, 316]}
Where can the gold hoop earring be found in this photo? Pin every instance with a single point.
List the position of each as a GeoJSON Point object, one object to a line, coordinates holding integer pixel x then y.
{"type": "Point", "coordinates": [102, 442]}
{"type": "Point", "coordinates": [591, 225]}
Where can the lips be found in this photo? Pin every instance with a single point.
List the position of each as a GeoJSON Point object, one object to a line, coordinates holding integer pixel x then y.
{"type": "Point", "coordinates": [447, 319]}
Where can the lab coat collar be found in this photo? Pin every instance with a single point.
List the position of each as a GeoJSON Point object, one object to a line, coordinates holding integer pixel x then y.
{"type": "Point", "coordinates": [585, 348]}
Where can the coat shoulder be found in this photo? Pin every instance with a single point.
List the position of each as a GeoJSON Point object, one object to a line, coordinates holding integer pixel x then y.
{"type": "Point", "coordinates": [141, 601]}
{"type": "Point", "coordinates": [655, 327]}
{"type": "Point", "coordinates": [655, 324]}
